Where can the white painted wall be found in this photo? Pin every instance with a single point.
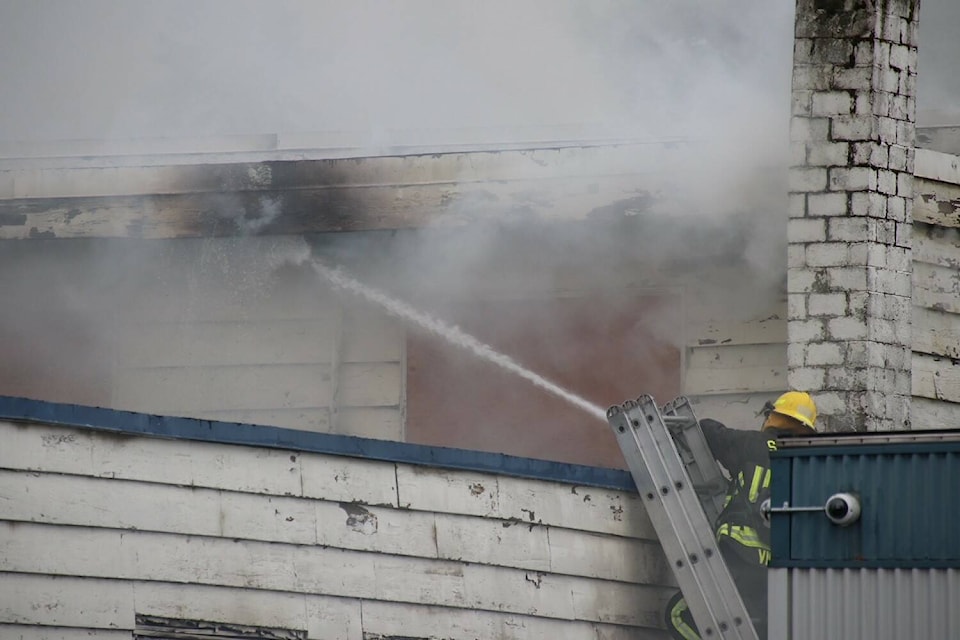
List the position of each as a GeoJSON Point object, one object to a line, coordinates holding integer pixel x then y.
{"type": "Point", "coordinates": [936, 273]}
{"type": "Point", "coordinates": [95, 528]}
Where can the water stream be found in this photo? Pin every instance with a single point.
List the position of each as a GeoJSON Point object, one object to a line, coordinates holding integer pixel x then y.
{"type": "Point", "coordinates": [452, 334]}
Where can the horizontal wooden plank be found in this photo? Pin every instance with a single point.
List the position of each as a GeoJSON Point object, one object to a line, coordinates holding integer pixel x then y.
{"type": "Point", "coordinates": [322, 617]}
{"type": "Point", "coordinates": [750, 379]}
{"type": "Point", "coordinates": [936, 203]}
{"type": "Point", "coordinates": [369, 336]}
{"type": "Point", "coordinates": [581, 508]}
{"type": "Point", "coordinates": [65, 601]}
{"type": "Point", "coordinates": [120, 504]}
{"type": "Point", "coordinates": [390, 619]}
{"type": "Point", "coordinates": [191, 344]}
{"type": "Point", "coordinates": [342, 479]}
{"type": "Point", "coordinates": [607, 557]}
{"type": "Point", "coordinates": [711, 329]}
{"type": "Point", "coordinates": [38, 447]}
{"type": "Point", "coordinates": [737, 411]}
{"type": "Point", "coordinates": [935, 245]}
{"type": "Point", "coordinates": [301, 419]}
{"type": "Point", "coordinates": [291, 212]}
{"type": "Point", "coordinates": [184, 390]}
{"type": "Point", "coordinates": [934, 414]}
{"type": "Point", "coordinates": [522, 500]}
{"type": "Point", "coordinates": [936, 378]}
{"type": "Point", "coordinates": [732, 357]}
{"type": "Point", "coordinates": [383, 423]}
{"type": "Point", "coordinates": [316, 570]}
{"type": "Point", "coordinates": [374, 384]}
{"type": "Point", "coordinates": [30, 632]}
{"type": "Point", "coordinates": [936, 287]}
{"type": "Point", "coordinates": [935, 332]}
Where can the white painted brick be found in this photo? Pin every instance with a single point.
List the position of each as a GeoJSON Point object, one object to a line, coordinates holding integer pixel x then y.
{"type": "Point", "coordinates": [797, 307]}
{"type": "Point", "coordinates": [859, 78]}
{"type": "Point", "coordinates": [900, 57]}
{"type": "Point", "coordinates": [808, 378]}
{"type": "Point", "coordinates": [835, 51]}
{"type": "Point", "coordinates": [830, 103]}
{"type": "Point", "coordinates": [853, 178]}
{"type": "Point", "coordinates": [853, 278]}
{"type": "Point", "coordinates": [796, 256]}
{"type": "Point", "coordinates": [887, 129]}
{"type": "Point", "coordinates": [827, 204]}
{"type": "Point", "coordinates": [864, 104]}
{"type": "Point", "coordinates": [805, 129]}
{"type": "Point", "coordinates": [881, 102]}
{"type": "Point", "coordinates": [846, 378]}
{"type": "Point", "coordinates": [802, 280]}
{"type": "Point", "coordinates": [827, 304]}
{"type": "Point", "coordinates": [882, 380]}
{"type": "Point", "coordinates": [828, 254]}
{"type": "Point", "coordinates": [888, 281]}
{"type": "Point", "coordinates": [884, 231]}
{"type": "Point", "coordinates": [801, 102]}
{"type": "Point", "coordinates": [857, 302]}
{"type": "Point", "coordinates": [891, 30]}
{"type": "Point", "coordinates": [807, 179]}
{"type": "Point", "coordinates": [798, 153]}
{"type": "Point", "coordinates": [886, 181]}
{"type": "Point", "coordinates": [880, 330]}
{"type": "Point", "coordinates": [906, 133]}
{"type": "Point", "coordinates": [899, 108]}
{"type": "Point", "coordinates": [899, 258]}
{"type": "Point", "coordinates": [802, 331]}
{"type": "Point", "coordinates": [863, 353]}
{"type": "Point", "coordinates": [882, 53]}
{"type": "Point", "coordinates": [812, 77]}
{"type": "Point", "coordinates": [806, 230]}
{"type": "Point", "coordinates": [877, 255]}
{"type": "Point", "coordinates": [830, 402]}
{"type": "Point", "coordinates": [857, 252]}
{"type": "Point", "coordinates": [904, 184]}
{"type": "Point", "coordinates": [797, 205]}
{"type": "Point", "coordinates": [889, 80]}
{"type": "Point", "coordinates": [802, 50]}
{"type": "Point", "coordinates": [868, 204]}
{"type": "Point", "coordinates": [870, 153]}
{"type": "Point", "coordinates": [905, 233]}
{"type": "Point", "coordinates": [848, 229]}
{"type": "Point", "coordinates": [796, 355]}
{"type": "Point", "coordinates": [848, 328]}
{"type": "Point", "coordinates": [896, 209]}
{"type": "Point", "coordinates": [889, 307]}
{"type": "Point", "coordinates": [897, 157]}
{"type": "Point", "coordinates": [828, 154]}
{"type": "Point", "coordinates": [860, 127]}
{"type": "Point", "coordinates": [824, 353]}
{"type": "Point", "coordinates": [864, 53]}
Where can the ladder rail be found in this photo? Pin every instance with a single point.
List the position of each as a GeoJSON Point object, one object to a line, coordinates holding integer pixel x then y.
{"type": "Point", "coordinates": [674, 507]}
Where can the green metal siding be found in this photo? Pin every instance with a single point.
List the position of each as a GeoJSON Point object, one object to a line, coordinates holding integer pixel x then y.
{"type": "Point", "coordinates": [910, 499]}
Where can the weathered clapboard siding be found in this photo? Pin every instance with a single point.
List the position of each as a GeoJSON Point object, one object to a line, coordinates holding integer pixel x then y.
{"type": "Point", "coordinates": [132, 517]}
{"type": "Point", "coordinates": [735, 363]}
{"type": "Point", "coordinates": [241, 341]}
{"type": "Point", "coordinates": [936, 292]}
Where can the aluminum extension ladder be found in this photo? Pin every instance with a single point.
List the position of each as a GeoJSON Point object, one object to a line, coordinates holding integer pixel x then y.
{"type": "Point", "coordinates": [682, 488]}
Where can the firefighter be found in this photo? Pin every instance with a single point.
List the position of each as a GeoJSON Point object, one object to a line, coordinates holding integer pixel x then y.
{"type": "Point", "coordinates": [743, 535]}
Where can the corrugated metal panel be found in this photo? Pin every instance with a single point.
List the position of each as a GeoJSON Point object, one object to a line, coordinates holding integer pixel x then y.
{"type": "Point", "coordinates": [868, 604]}
{"type": "Point", "coordinates": [906, 491]}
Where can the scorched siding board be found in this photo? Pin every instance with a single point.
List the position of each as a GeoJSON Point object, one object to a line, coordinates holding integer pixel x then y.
{"type": "Point", "coordinates": [25, 632]}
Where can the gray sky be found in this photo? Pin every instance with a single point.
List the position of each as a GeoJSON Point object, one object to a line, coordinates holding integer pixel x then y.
{"type": "Point", "coordinates": [120, 68]}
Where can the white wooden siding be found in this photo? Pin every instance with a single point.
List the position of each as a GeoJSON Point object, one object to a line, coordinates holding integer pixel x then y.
{"type": "Point", "coordinates": [107, 526]}
{"type": "Point", "coordinates": [239, 341]}
{"type": "Point", "coordinates": [936, 293]}
{"type": "Point", "coordinates": [735, 361]}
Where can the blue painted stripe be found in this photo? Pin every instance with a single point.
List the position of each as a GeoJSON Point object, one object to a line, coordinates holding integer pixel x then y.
{"type": "Point", "coordinates": [97, 418]}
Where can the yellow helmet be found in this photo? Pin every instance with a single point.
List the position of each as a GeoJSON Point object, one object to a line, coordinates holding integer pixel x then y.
{"type": "Point", "coordinates": [798, 405]}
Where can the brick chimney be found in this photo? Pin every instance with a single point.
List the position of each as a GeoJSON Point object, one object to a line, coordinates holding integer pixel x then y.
{"type": "Point", "coordinates": [851, 194]}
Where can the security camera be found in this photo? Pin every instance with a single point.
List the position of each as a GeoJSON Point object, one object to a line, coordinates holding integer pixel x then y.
{"type": "Point", "coordinates": [842, 509]}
